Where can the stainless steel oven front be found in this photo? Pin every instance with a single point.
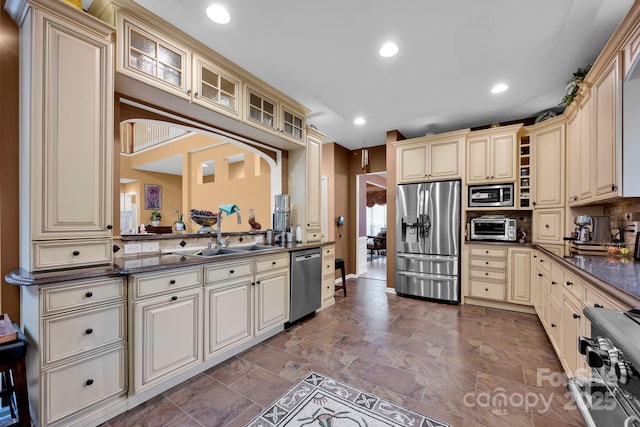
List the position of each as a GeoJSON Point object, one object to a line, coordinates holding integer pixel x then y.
{"type": "Point", "coordinates": [491, 196]}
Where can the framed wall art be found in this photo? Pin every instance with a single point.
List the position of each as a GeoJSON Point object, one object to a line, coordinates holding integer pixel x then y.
{"type": "Point", "coordinates": [152, 196]}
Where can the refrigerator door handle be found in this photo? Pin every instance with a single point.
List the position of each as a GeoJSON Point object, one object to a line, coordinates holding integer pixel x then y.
{"type": "Point", "coordinates": [425, 225]}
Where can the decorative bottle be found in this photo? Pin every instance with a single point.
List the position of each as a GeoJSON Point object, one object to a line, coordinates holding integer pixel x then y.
{"type": "Point", "coordinates": [298, 234]}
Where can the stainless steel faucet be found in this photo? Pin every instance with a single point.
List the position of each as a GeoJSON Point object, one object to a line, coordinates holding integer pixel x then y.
{"type": "Point", "coordinates": [223, 243]}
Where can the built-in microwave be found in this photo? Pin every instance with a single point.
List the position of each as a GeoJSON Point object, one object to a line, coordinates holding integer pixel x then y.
{"type": "Point", "coordinates": [496, 195]}
{"type": "Point", "coordinates": [494, 227]}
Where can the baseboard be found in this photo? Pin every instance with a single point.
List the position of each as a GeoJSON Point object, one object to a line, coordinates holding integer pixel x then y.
{"type": "Point", "coordinates": [347, 277]}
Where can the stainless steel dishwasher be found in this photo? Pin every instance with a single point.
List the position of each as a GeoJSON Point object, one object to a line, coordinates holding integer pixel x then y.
{"type": "Point", "coordinates": [306, 283]}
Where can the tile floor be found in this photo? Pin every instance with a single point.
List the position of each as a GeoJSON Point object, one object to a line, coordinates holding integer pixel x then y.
{"type": "Point", "coordinates": [465, 365]}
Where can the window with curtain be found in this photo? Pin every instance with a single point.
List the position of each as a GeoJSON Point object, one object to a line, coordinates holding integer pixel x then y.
{"type": "Point", "coordinates": [376, 219]}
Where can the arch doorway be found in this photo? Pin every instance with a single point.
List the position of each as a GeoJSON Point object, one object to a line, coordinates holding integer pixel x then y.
{"type": "Point", "coordinates": [371, 218]}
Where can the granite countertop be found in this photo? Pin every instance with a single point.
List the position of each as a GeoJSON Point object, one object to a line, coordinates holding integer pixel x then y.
{"type": "Point", "coordinates": [141, 263]}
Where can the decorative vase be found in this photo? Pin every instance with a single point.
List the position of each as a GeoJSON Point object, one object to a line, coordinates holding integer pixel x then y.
{"type": "Point", "coordinates": [155, 223]}
{"type": "Point", "coordinates": [74, 3]}
{"type": "Point", "coordinates": [179, 226]}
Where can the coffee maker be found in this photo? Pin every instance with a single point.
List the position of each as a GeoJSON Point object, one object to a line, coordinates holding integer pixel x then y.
{"type": "Point", "coordinates": [281, 217]}
{"type": "Point", "coordinates": [593, 230]}
{"type": "Point", "coordinates": [583, 232]}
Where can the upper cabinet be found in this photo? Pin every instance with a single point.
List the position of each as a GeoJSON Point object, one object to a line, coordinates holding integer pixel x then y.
{"type": "Point", "coordinates": [431, 157]}
{"type": "Point", "coordinates": [547, 142]}
{"type": "Point", "coordinates": [491, 155]}
{"type": "Point", "coordinates": [66, 135]}
{"type": "Point", "coordinates": [215, 87]}
{"type": "Point", "coordinates": [580, 156]}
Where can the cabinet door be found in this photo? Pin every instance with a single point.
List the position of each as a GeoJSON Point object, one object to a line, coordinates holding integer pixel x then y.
{"type": "Point", "coordinates": [520, 276]}
{"type": "Point", "coordinates": [227, 316]}
{"type": "Point", "coordinates": [574, 161]}
{"type": "Point", "coordinates": [477, 160]}
{"type": "Point", "coordinates": [411, 163]}
{"type": "Point", "coordinates": [572, 328]}
{"type": "Point", "coordinates": [555, 327]}
{"type": "Point", "coordinates": [503, 158]}
{"type": "Point", "coordinates": [445, 160]}
{"type": "Point", "coordinates": [167, 337]}
{"type": "Point", "coordinates": [215, 87]}
{"type": "Point", "coordinates": [71, 132]}
{"type": "Point", "coordinates": [549, 167]}
{"type": "Point", "coordinates": [150, 56]}
{"type": "Point", "coordinates": [293, 124]}
{"type": "Point", "coordinates": [586, 151]}
{"type": "Point", "coordinates": [606, 110]}
{"type": "Point", "coordinates": [548, 226]}
{"type": "Point", "coordinates": [314, 159]}
{"type": "Point", "coordinates": [542, 288]}
{"type": "Point", "coordinates": [271, 299]}
{"type": "Point", "coordinates": [261, 110]}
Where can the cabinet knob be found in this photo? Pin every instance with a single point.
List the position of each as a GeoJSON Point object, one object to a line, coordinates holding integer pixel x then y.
{"type": "Point", "coordinates": [613, 187]}
{"type": "Point", "coordinates": [569, 283]}
{"type": "Point", "coordinates": [231, 271]}
{"type": "Point", "coordinates": [273, 263]}
{"type": "Point", "coordinates": [195, 95]}
{"type": "Point", "coordinates": [109, 227]}
{"type": "Point", "coordinates": [89, 331]}
{"type": "Point", "coordinates": [486, 262]}
{"type": "Point", "coordinates": [486, 289]}
{"type": "Point", "coordinates": [486, 252]}
{"type": "Point", "coordinates": [76, 253]}
{"type": "Point", "coordinates": [535, 256]}
{"type": "Point", "coordinates": [172, 281]}
{"type": "Point", "coordinates": [553, 282]}
{"type": "Point", "coordinates": [174, 298]}
{"type": "Point", "coordinates": [576, 316]}
{"type": "Point", "coordinates": [89, 381]}
{"type": "Point", "coordinates": [486, 274]}
{"type": "Point", "coordinates": [534, 203]}
{"type": "Point", "coordinates": [258, 282]}
{"type": "Point", "coordinates": [596, 305]}
{"type": "Point", "coordinates": [88, 294]}
{"type": "Point", "coordinates": [553, 325]}
{"type": "Point", "coordinates": [546, 226]}
{"type": "Point", "coordinates": [188, 91]}
{"type": "Point", "coordinates": [541, 260]}
{"type": "Point", "coordinates": [539, 274]}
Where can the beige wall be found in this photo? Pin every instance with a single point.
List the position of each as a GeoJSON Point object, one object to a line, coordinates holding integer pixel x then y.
{"type": "Point", "coordinates": [9, 219]}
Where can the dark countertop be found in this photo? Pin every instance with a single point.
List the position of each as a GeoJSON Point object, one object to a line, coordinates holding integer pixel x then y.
{"type": "Point", "coordinates": [132, 264]}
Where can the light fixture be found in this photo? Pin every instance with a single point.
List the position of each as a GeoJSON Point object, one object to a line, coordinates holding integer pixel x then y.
{"type": "Point", "coordinates": [218, 14]}
{"type": "Point", "coordinates": [388, 50]}
{"type": "Point", "coordinates": [365, 157]}
{"type": "Point", "coordinates": [359, 121]}
{"type": "Point", "coordinates": [499, 88]}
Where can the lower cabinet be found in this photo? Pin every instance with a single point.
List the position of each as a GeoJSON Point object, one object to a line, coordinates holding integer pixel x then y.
{"type": "Point", "coordinates": [573, 326]}
{"type": "Point", "coordinates": [271, 295]}
{"type": "Point", "coordinates": [78, 366]}
{"type": "Point", "coordinates": [328, 276]}
{"type": "Point", "coordinates": [167, 327]}
{"type": "Point", "coordinates": [519, 282]}
{"type": "Point", "coordinates": [488, 272]}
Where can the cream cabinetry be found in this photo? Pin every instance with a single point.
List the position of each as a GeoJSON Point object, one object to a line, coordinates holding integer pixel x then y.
{"type": "Point", "coordinates": [491, 155]}
{"type": "Point", "coordinates": [548, 226]}
{"type": "Point", "coordinates": [328, 275]}
{"type": "Point", "coordinates": [166, 309]}
{"type": "Point", "coordinates": [305, 196]}
{"type": "Point", "coordinates": [547, 141]}
{"type": "Point", "coordinates": [519, 281]}
{"type": "Point", "coordinates": [431, 157]}
{"type": "Point", "coordinates": [580, 156]}
{"type": "Point", "coordinates": [488, 272]}
{"type": "Point", "coordinates": [80, 366]}
{"type": "Point", "coordinates": [267, 112]}
{"type": "Point", "coordinates": [606, 93]}
{"type": "Point", "coordinates": [542, 281]}
{"type": "Point", "coordinates": [66, 135]}
{"type": "Point", "coordinates": [271, 292]}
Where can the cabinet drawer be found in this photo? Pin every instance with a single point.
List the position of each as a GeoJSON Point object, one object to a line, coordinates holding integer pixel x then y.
{"type": "Point", "coordinates": [329, 251]}
{"type": "Point", "coordinates": [488, 274]}
{"type": "Point", "coordinates": [267, 263]}
{"type": "Point", "coordinates": [596, 298]}
{"type": "Point", "coordinates": [165, 281]}
{"type": "Point", "coordinates": [313, 234]}
{"type": "Point", "coordinates": [489, 252]}
{"type": "Point", "coordinates": [81, 294]}
{"type": "Point", "coordinates": [488, 263]}
{"type": "Point", "coordinates": [52, 255]}
{"type": "Point", "coordinates": [328, 266]}
{"type": "Point", "coordinates": [487, 290]}
{"type": "Point", "coordinates": [83, 331]}
{"type": "Point", "coordinates": [73, 387]}
{"type": "Point", "coordinates": [227, 271]}
{"type": "Point", "coordinates": [575, 286]}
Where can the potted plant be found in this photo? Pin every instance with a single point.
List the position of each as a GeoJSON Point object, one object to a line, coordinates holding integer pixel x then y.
{"type": "Point", "coordinates": [156, 217]}
{"type": "Point", "coordinates": [180, 225]}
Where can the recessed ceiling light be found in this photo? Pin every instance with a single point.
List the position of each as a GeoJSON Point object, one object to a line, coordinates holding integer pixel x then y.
{"type": "Point", "coordinates": [388, 50]}
{"type": "Point", "coordinates": [359, 121]}
{"type": "Point", "coordinates": [218, 14]}
{"type": "Point", "coordinates": [499, 88]}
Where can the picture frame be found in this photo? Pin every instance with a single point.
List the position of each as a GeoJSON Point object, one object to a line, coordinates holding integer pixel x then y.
{"type": "Point", "coordinates": [152, 196]}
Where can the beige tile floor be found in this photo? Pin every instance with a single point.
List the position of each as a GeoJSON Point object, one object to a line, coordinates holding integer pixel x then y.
{"type": "Point", "coordinates": [452, 362]}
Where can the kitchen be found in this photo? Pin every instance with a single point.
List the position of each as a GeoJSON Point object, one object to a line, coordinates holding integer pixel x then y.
{"type": "Point", "coordinates": [393, 174]}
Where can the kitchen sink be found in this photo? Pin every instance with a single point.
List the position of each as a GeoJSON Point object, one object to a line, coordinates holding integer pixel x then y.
{"type": "Point", "coordinates": [247, 248]}
{"type": "Point", "coordinates": [238, 249]}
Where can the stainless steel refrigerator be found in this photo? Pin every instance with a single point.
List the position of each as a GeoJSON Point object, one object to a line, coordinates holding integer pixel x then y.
{"type": "Point", "coordinates": [428, 240]}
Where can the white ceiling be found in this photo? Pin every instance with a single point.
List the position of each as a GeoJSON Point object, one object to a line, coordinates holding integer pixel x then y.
{"type": "Point", "coordinates": [324, 55]}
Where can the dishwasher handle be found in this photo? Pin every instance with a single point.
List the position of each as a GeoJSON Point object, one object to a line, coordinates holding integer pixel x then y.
{"type": "Point", "coordinates": [306, 257]}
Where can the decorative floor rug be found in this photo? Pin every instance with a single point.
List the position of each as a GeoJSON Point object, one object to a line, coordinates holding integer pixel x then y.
{"type": "Point", "coordinates": [321, 401]}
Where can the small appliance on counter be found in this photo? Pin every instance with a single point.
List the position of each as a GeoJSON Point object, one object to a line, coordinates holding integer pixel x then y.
{"type": "Point", "coordinates": [592, 235]}
{"type": "Point", "coordinates": [281, 217]}
{"type": "Point", "coordinates": [493, 228]}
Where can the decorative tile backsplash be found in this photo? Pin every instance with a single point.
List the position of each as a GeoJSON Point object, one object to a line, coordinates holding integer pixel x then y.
{"type": "Point", "coordinates": [623, 214]}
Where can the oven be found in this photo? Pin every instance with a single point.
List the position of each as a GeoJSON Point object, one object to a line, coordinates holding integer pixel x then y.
{"type": "Point", "coordinates": [611, 395]}
{"type": "Point", "coordinates": [493, 227]}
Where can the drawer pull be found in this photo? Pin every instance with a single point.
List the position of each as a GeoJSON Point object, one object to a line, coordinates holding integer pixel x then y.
{"type": "Point", "coordinates": [486, 252]}
{"type": "Point", "coordinates": [258, 282]}
{"type": "Point", "coordinates": [487, 262]}
{"type": "Point", "coordinates": [76, 253]}
{"type": "Point", "coordinates": [172, 281]}
{"type": "Point", "coordinates": [553, 282]}
{"type": "Point", "coordinates": [89, 381]}
{"type": "Point", "coordinates": [596, 305]}
{"type": "Point", "coordinates": [546, 226]}
{"type": "Point", "coordinates": [232, 271]}
{"type": "Point", "coordinates": [89, 331]}
{"type": "Point", "coordinates": [486, 274]}
{"type": "Point", "coordinates": [541, 260]}
{"type": "Point", "coordinates": [576, 316]}
{"type": "Point", "coordinates": [109, 227]}
{"type": "Point", "coordinates": [553, 325]}
{"type": "Point", "coordinates": [539, 274]}
{"type": "Point", "coordinates": [273, 263]}
{"type": "Point", "coordinates": [88, 294]}
{"type": "Point", "coordinates": [173, 298]}
{"type": "Point", "coordinates": [486, 289]}
{"type": "Point", "coordinates": [569, 283]}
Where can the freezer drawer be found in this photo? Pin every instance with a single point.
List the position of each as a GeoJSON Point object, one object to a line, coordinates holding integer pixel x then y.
{"type": "Point", "coordinates": [433, 286]}
{"type": "Point", "coordinates": [428, 264]}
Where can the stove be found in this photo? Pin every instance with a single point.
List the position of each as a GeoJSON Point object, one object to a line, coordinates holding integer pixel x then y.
{"type": "Point", "coordinates": [611, 395]}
